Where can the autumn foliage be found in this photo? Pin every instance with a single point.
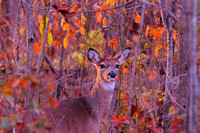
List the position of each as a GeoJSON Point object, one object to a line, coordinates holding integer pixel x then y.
{"type": "Point", "coordinates": [61, 33]}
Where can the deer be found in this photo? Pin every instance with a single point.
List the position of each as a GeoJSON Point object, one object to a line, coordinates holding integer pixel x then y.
{"type": "Point", "coordinates": [84, 114]}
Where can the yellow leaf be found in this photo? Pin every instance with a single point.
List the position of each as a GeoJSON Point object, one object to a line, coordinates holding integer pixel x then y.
{"type": "Point", "coordinates": [50, 38]}
{"type": "Point", "coordinates": [104, 21]}
{"type": "Point", "coordinates": [137, 18]}
{"type": "Point", "coordinates": [82, 29]}
{"type": "Point", "coordinates": [151, 77]}
{"type": "Point", "coordinates": [62, 22]}
{"type": "Point", "coordinates": [108, 2]}
{"type": "Point", "coordinates": [98, 17]}
{"type": "Point", "coordinates": [66, 26]}
{"type": "Point", "coordinates": [65, 42]}
{"type": "Point", "coordinates": [41, 28]}
{"type": "Point", "coordinates": [21, 31]}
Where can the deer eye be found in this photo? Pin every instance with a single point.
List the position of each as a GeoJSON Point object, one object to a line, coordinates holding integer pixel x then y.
{"type": "Point", "coordinates": [102, 66]}
{"type": "Point", "coordinates": [117, 66]}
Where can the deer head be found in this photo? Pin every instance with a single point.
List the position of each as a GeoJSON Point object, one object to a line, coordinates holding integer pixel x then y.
{"type": "Point", "coordinates": [108, 68]}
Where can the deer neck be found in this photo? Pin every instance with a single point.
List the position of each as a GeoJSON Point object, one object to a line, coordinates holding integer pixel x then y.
{"type": "Point", "coordinates": [100, 97]}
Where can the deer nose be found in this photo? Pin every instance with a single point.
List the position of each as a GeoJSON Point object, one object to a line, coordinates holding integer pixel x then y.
{"type": "Point", "coordinates": [112, 74]}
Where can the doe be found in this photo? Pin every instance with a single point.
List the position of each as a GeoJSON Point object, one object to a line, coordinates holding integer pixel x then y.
{"type": "Point", "coordinates": [83, 115]}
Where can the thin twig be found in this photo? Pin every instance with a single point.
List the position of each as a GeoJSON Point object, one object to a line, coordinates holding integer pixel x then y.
{"type": "Point", "coordinates": [135, 59]}
{"type": "Point", "coordinates": [43, 44]}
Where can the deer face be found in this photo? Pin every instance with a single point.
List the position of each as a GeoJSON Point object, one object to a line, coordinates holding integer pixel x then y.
{"type": "Point", "coordinates": [108, 68]}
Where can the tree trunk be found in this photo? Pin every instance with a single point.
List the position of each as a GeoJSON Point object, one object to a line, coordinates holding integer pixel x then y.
{"type": "Point", "coordinates": [29, 37]}
{"type": "Point", "coordinates": [193, 81]}
{"type": "Point", "coordinates": [168, 86]}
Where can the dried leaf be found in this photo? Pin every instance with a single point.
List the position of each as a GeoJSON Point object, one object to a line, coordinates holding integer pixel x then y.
{"type": "Point", "coordinates": [96, 7]}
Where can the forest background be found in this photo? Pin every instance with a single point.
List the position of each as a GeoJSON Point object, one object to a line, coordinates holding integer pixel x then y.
{"type": "Point", "coordinates": [43, 48]}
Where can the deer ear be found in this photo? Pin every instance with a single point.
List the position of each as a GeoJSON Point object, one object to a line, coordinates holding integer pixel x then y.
{"type": "Point", "coordinates": [93, 56]}
{"type": "Point", "coordinates": [123, 56]}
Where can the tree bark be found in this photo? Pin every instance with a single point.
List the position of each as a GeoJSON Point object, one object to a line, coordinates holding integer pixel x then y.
{"type": "Point", "coordinates": [30, 38]}
{"type": "Point", "coordinates": [193, 81]}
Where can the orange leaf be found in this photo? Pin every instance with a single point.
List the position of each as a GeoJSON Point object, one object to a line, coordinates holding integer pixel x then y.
{"type": "Point", "coordinates": [53, 102]}
{"type": "Point", "coordinates": [40, 18]}
{"type": "Point", "coordinates": [151, 77]}
{"type": "Point", "coordinates": [98, 17]}
{"type": "Point", "coordinates": [112, 3]}
{"type": "Point", "coordinates": [157, 36]}
{"type": "Point", "coordinates": [115, 46]}
{"type": "Point", "coordinates": [135, 37]}
{"type": "Point", "coordinates": [137, 18]}
{"type": "Point", "coordinates": [71, 34]}
{"type": "Point", "coordinates": [83, 19]}
{"type": "Point", "coordinates": [128, 42]}
{"type": "Point", "coordinates": [110, 12]}
{"type": "Point", "coordinates": [159, 46]}
{"type": "Point", "coordinates": [156, 52]}
{"type": "Point", "coordinates": [82, 29]}
{"type": "Point", "coordinates": [104, 6]}
{"type": "Point", "coordinates": [65, 42]}
{"type": "Point", "coordinates": [125, 12]}
{"type": "Point", "coordinates": [21, 31]}
{"type": "Point", "coordinates": [125, 70]}
{"type": "Point", "coordinates": [74, 8]}
{"type": "Point", "coordinates": [8, 91]}
{"type": "Point", "coordinates": [176, 121]}
{"type": "Point", "coordinates": [66, 26]}
{"type": "Point", "coordinates": [104, 21]}
{"type": "Point", "coordinates": [23, 82]}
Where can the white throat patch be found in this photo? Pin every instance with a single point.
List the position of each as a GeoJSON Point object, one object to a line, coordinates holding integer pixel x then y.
{"type": "Point", "coordinates": [108, 86]}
